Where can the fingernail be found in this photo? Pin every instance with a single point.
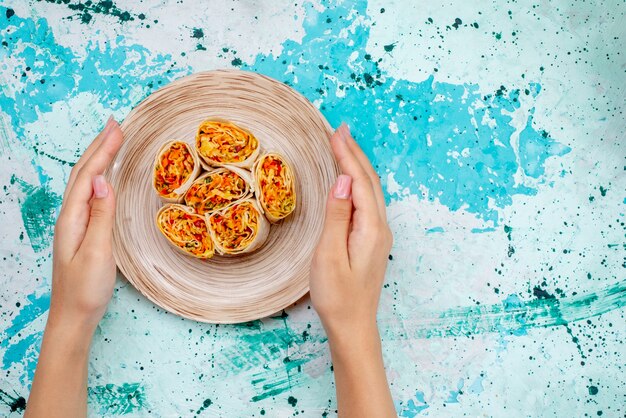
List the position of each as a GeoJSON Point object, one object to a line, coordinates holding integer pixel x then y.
{"type": "Point", "coordinates": [108, 126]}
{"type": "Point", "coordinates": [342, 187]}
{"type": "Point", "coordinates": [340, 133]}
{"type": "Point", "coordinates": [100, 187]}
{"type": "Point", "coordinates": [345, 131]}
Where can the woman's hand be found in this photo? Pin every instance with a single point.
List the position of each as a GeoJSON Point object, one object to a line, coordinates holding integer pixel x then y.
{"type": "Point", "coordinates": [347, 274]}
{"type": "Point", "coordinates": [83, 278]}
{"type": "Point", "coordinates": [350, 260]}
{"type": "Point", "coordinates": [83, 268]}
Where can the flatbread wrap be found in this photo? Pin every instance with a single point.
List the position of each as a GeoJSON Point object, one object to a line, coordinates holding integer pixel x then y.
{"type": "Point", "coordinates": [186, 230]}
{"type": "Point", "coordinates": [217, 189]}
{"type": "Point", "coordinates": [176, 166]}
{"type": "Point", "coordinates": [220, 142]}
{"type": "Point", "coordinates": [275, 186]}
{"type": "Point", "coordinates": [239, 228]}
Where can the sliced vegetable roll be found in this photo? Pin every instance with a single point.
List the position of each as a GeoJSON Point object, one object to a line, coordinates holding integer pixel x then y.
{"type": "Point", "coordinates": [220, 142]}
{"type": "Point", "coordinates": [239, 228]}
{"type": "Point", "coordinates": [275, 186]}
{"type": "Point", "coordinates": [217, 189]}
{"type": "Point", "coordinates": [176, 166]}
{"type": "Point", "coordinates": [186, 230]}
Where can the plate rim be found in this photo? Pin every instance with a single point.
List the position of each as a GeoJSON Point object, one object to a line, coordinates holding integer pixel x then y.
{"type": "Point", "coordinates": [262, 312]}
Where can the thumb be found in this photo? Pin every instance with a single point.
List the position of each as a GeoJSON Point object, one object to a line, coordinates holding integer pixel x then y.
{"type": "Point", "coordinates": [100, 229]}
{"type": "Point", "coordinates": [338, 215]}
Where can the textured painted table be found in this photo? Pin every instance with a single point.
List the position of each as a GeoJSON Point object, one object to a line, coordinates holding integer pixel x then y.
{"type": "Point", "coordinates": [498, 131]}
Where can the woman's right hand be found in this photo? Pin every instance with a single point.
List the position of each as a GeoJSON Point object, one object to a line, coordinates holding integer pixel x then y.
{"type": "Point", "coordinates": [347, 275]}
{"type": "Point", "coordinates": [349, 264]}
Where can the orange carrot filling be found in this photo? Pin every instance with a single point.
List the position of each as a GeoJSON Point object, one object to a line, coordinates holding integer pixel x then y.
{"type": "Point", "coordinates": [215, 191]}
{"type": "Point", "coordinates": [187, 231]}
{"type": "Point", "coordinates": [173, 169]}
{"type": "Point", "coordinates": [277, 187]}
{"type": "Point", "coordinates": [224, 142]}
{"type": "Point", "coordinates": [237, 226]}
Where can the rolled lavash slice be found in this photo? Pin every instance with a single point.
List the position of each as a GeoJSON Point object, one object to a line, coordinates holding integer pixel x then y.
{"type": "Point", "coordinates": [274, 186]}
{"type": "Point", "coordinates": [220, 142]}
{"type": "Point", "coordinates": [185, 230]}
{"type": "Point", "coordinates": [176, 166]}
{"type": "Point", "coordinates": [218, 189]}
{"type": "Point", "coordinates": [239, 228]}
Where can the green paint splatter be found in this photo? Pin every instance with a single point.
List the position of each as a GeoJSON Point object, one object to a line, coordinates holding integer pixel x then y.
{"type": "Point", "coordinates": [390, 47]}
{"type": "Point", "coordinates": [510, 317]}
{"type": "Point", "coordinates": [511, 250]}
{"type": "Point", "coordinates": [86, 10]}
{"type": "Point", "coordinates": [197, 33]}
{"type": "Point", "coordinates": [38, 210]}
{"type": "Point", "coordinates": [292, 401]}
{"type": "Point", "coordinates": [276, 353]}
{"type": "Point", "coordinates": [117, 400]}
{"type": "Point", "coordinates": [236, 62]}
{"type": "Point", "coordinates": [205, 405]}
{"type": "Point", "coordinates": [603, 191]}
{"type": "Point", "coordinates": [277, 381]}
{"type": "Point", "coordinates": [250, 325]}
{"type": "Point", "coordinates": [15, 403]}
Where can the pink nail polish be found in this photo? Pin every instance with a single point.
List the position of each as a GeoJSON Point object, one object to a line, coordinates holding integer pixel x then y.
{"type": "Point", "coordinates": [100, 187]}
{"type": "Point", "coordinates": [346, 131]}
{"type": "Point", "coordinates": [108, 126]}
{"type": "Point", "coordinates": [339, 133]}
{"type": "Point", "coordinates": [342, 187]}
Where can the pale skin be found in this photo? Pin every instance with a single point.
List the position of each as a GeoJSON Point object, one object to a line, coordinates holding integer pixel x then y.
{"type": "Point", "coordinates": [347, 274]}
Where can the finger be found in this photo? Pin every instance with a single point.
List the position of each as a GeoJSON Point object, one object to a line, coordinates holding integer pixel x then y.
{"type": "Point", "coordinates": [81, 191]}
{"type": "Point", "coordinates": [88, 152]}
{"type": "Point", "coordinates": [367, 166]}
{"type": "Point", "coordinates": [99, 235]}
{"type": "Point", "coordinates": [75, 213]}
{"type": "Point", "coordinates": [363, 197]}
{"type": "Point", "coordinates": [334, 239]}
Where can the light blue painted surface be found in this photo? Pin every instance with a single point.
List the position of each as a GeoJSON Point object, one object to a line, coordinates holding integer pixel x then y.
{"type": "Point", "coordinates": [497, 131]}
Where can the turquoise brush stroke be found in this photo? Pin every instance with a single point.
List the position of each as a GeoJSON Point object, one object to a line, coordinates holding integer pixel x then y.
{"type": "Point", "coordinates": [414, 406]}
{"type": "Point", "coordinates": [449, 116]}
{"type": "Point", "coordinates": [36, 306]}
{"type": "Point", "coordinates": [477, 386]}
{"type": "Point", "coordinates": [38, 209]}
{"type": "Point", "coordinates": [482, 230]}
{"type": "Point", "coordinates": [535, 149]}
{"type": "Point", "coordinates": [119, 75]}
{"type": "Point", "coordinates": [24, 350]}
{"type": "Point", "coordinates": [113, 399]}
{"type": "Point", "coordinates": [454, 394]}
{"type": "Point", "coordinates": [442, 113]}
{"type": "Point", "coordinates": [513, 316]}
{"type": "Point", "coordinates": [279, 353]}
{"type": "Point", "coordinates": [434, 230]}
